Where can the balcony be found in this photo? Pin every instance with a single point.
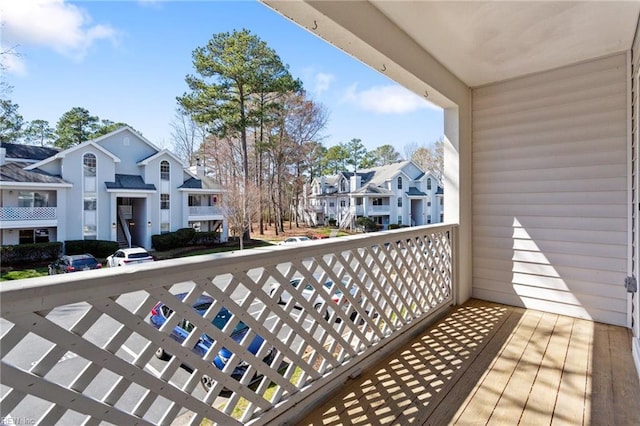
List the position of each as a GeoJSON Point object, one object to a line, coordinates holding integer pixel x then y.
{"type": "Point", "coordinates": [486, 363]}
{"type": "Point", "coordinates": [204, 212]}
{"type": "Point", "coordinates": [27, 213]}
{"type": "Point", "coordinates": [84, 349]}
{"type": "Point", "coordinates": [12, 217]}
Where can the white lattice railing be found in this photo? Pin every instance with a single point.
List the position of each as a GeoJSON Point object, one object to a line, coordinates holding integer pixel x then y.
{"type": "Point", "coordinates": [204, 210]}
{"type": "Point", "coordinates": [27, 213]}
{"type": "Point", "coordinates": [78, 348]}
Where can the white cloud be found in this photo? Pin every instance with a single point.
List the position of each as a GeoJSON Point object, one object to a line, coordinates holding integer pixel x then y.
{"type": "Point", "coordinates": [323, 82]}
{"type": "Point", "coordinates": [63, 27]}
{"type": "Point", "coordinates": [385, 99]}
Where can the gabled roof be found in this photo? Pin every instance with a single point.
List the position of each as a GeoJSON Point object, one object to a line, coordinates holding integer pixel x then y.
{"type": "Point", "coordinates": [15, 151]}
{"type": "Point", "coordinates": [372, 189]}
{"type": "Point", "coordinates": [159, 154]}
{"type": "Point", "coordinates": [131, 130]}
{"type": "Point", "coordinates": [413, 191]}
{"type": "Point", "coordinates": [130, 182]}
{"type": "Point", "coordinates": [15, 172]}
{"type": "Point", "coordinates": [64, 153]}
{"type": "Point", "coordinates": [203, 183]}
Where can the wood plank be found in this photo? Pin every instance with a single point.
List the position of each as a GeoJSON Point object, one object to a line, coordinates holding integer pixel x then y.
{"type": "Point", "coordinates": [543, 395]}
{"type": "Point", "coordinates": [480, 366]}
{"type": "Point", "coordinates": [571, 401]}
{"type": "Point", "coordinates": [442, 409]}
{"type": "Point", "coordinates": [481, 403]}
{"type": "Point", "coordinates": [601, 412]}
{"type": "Point", "coordinates": [625, 377]}
{"type": "Point", "coordinates": [515, 393]}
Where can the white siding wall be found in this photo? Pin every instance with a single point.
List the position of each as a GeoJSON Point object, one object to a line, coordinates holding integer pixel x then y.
{"type": "Point", "coordinates": [550, 191]}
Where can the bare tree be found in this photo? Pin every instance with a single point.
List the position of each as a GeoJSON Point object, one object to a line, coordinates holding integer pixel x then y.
{"type": "Point", "coordinates": [187, 136]}
{"type": "Point", "coordinates": [431, 158]}
{"type": "Point", "coordinates": [240, 213]}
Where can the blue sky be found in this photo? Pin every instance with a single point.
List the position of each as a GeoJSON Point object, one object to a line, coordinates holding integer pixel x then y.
{"type": "Point", "coordinates": [127, 61]}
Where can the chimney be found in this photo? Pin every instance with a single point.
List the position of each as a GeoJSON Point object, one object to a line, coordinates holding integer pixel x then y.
{"type": "Point", "coordinates": [323, 184]}
{"type": "Point", "coordinates": [355, 182]}
{"type": "Point", "coordinates": [200, 172]}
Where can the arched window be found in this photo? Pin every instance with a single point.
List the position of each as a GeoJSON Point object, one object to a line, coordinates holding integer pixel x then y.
{"type": "Point", "coordinates": [164, 170]}
{"type": "Point", "coordinates": [89, 165]}
{"type": "Point", "coordinates": [399, 182]}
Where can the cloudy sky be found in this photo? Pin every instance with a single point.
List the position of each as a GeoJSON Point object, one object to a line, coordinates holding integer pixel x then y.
{"type": "Point", "coordinates": [127, 61]}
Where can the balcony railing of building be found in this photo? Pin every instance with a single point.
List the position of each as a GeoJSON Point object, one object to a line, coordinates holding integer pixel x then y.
{"type": "Point", "coordinates": [80, 348]}
{"type": "Point", "coordinates": [27, 213]}
{"type": "Point", "coordinates": [204, 210]}
{"type": "Point", "coordinates": [360, 210]}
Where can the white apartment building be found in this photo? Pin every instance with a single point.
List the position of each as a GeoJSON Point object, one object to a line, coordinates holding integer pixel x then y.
{"type": "Point", "coordinates": [117, 187]}
{"type": "Point", "coordinates": [400, 193]}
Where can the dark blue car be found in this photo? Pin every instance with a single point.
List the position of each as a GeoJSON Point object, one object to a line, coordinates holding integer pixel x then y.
{"type": "Point", "coordinates": [161, 312]}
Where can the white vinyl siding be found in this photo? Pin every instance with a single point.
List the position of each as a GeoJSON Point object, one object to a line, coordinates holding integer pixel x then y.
{"type": "Point", "coordinates": [549, 163]}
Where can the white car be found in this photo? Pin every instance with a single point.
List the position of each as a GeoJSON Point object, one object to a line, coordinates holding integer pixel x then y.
{"type": "Point", "coordinates": [337, 296]}
{"type": "Point", "coordinates": [129, 256]}
{"type": "Point", "coordinates": [295, 240]}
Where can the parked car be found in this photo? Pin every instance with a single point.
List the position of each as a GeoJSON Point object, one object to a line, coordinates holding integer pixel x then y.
{"type": "Point", "coordinates": [161, 312]}
{"type": "Point", "coordinates": [73, 263]}
{"type": "Point", "coordinates": [337, 296]}
{"type": "Point", "coordinates": [294, 240]}
{"type": "Point", "coordinates": [129, 256]}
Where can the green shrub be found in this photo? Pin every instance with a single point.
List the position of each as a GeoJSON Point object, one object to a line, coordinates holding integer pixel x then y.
{"type": "Point", "coordinates": [163, 242]}
{"type": "Point", "coordinates": [205, 238]}
{"type": "Point", "coordinates": [394, 226]}
{"type": "Point", "coordinates": [367, 223]}
{"type": "Point", "coordinates": [332, 222]}
{"type": "Point", "coordinates": [98, 248]}
{"type": "Point", "coordinates": [29, 253]}
{"type": "Point", "coordinates": [185, 235]}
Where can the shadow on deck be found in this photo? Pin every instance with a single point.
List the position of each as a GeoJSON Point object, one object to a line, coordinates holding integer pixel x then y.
{"type": "Point", "coordinates": [486, 363]}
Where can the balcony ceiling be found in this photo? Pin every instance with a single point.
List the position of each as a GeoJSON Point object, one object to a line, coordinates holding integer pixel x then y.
{"type": "Point", "coordinates": [487, 41]}
{"type": "Point", "coordinates": [482, 42]}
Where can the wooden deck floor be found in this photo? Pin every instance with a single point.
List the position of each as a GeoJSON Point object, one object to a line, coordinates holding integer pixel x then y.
{"type": "Point", "coordinates": [494, 364]}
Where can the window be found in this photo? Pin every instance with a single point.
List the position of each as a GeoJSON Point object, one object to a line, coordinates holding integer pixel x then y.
{"type": "Point", "coordinates": [25, 236]}
{"type": "Point", "coordinates": [90, 202]}
{"type": "Point", "coordinates": [332, 204]}
{"type": "Point", "coordinates": [441, 217]}
{"type": "Point", "coordinates": [343, 186]}
{"type": "Point", "coordinates": [164, 228]}
{"type": "Point", "coordinates": [377, 201]}
{"type": "Point", "coordinates": [89, 232]}
{"type": "Point", "coordinates": [399, 220]}
{"type": "Point", "coordinates": [164, 170]}
{"type": "Point", "coordinates": [164, 201]}
{"type": "Point", "coordinates": [429, 183]}
{"type": "Point", "coordinates": [359, 201]}
{"type": "Point", "coordinates": [399, 182]}
{"type": "Point", "coordinates": [429, 218]}
{"type": "Point", "coordinates": [428, 203]}
{"type": "Point", "coordinates": [42, 235]}
{"type": "Point", "coordinates": [89, 165]}
{"type": "Point", "coordinates": [399, 202]}
{"type": "Point", "coordinates": [33, 199]}
{"type": "Point", "coordinates": [343, 203]}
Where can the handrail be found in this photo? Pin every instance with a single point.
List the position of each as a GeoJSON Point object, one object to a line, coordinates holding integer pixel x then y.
{"type": "Point", "coordinates": [125, 226]}
{"type": "Point", "coordinates": [97, 321]}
